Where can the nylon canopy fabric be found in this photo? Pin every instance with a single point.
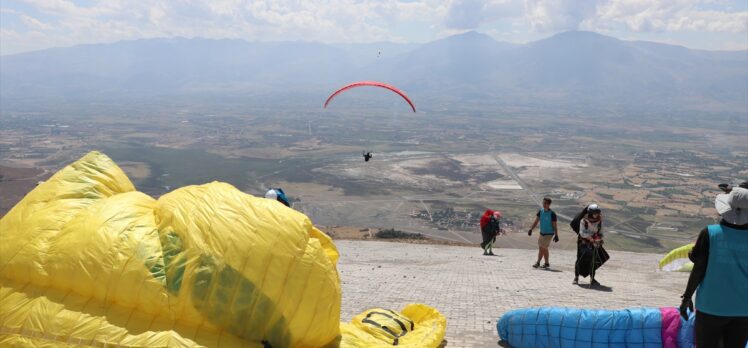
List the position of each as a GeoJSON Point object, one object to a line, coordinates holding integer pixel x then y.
{"type": "Point", "coordinates": [88, 261]}
{"type": "Point", "coordinates": [415, 326]}
{"type": "Point", "coordinates": [371, 84]}
{"type": "Point", "coordinates": [677, 260]}
{"type": "Point", "coordinates": [577, 328]}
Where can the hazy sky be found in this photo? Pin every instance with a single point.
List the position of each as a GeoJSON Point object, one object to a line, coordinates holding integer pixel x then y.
{"type": "Point", "coordinates": [36, 24]}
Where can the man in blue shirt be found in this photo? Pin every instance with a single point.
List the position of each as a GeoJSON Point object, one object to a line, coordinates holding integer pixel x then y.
{"type": "Point", "coordinates": [720, 276]}
{"type": "Point", "coordinates": [548, 230]}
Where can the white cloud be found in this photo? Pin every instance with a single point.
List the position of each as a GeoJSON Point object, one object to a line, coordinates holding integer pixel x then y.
{"type": "Point", "coordinates": [63, 22]}
{"type": "Point", "coordinates": [333, 21]}
{"type": "Point", "coordinates": [34, 23]}
{"type": "Point", "coordinates": [471, 14]}
{"type": "Point", "coordinates": [634, 15]}
{"type": "Point", "coordinates": [669, 15]}
{"type": "Point", "coordinates": [69, 8]}
{"type": "Point", "coordinates": [558, 15]}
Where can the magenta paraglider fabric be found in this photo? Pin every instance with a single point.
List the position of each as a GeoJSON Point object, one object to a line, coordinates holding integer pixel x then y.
{"type": "Point", "coordinates": [670, 327]}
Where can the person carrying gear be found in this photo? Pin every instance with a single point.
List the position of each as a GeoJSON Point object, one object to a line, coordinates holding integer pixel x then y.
{"type": "Point", "coordinates": [278, 195]}
{"type": "Point", "coordinates": [720, 275]}
{"type": "Point", "coordinates": [590, 253]}
{"type": "Point", "coordinates": [548, 230]}
{"type": "Point", "coordinates": [490, 227]}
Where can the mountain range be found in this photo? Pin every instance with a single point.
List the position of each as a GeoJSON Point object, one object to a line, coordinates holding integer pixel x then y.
{"type": "Point", "coordinates": [569, 69]}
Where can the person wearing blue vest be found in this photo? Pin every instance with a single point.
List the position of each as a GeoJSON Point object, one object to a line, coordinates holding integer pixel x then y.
{"type": "Point", "coordinates": [548, 230]}
{"type": "Point", "coordinates": [720, 276]}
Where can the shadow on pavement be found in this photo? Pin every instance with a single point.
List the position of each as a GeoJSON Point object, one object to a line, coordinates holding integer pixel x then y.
{"type": "Point", "coordinates": [602, 288]}
{"type": "Point", "coordinates": [552, 270]}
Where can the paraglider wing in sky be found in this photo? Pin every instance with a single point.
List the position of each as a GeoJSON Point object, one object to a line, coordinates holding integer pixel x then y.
{"type": "Point", "coordinates": [373, 84]}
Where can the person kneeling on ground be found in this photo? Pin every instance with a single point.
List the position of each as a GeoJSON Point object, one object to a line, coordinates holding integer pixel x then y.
{"type": "Point", "coordinates": [490, 227]}
{"type": "Point", "coordinates": [720, 274]}
{"type": "Point", "coordinates": [548, 230]}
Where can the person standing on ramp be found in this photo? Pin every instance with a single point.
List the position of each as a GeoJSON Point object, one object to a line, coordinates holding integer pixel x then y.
{"type": "Point", "coordinates": [548, 230]}
{"type": "Point", "coordinates": [490, 227]}
{"type": "Point", "coordinates": [720, 275]}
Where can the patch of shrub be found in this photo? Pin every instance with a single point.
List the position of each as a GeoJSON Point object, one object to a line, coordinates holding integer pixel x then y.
{"type": "Point", "coordinates": [392, 233]}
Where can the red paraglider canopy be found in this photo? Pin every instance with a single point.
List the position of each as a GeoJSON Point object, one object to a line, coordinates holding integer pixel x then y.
{"type": "Point", "coordinates": [374, 84]}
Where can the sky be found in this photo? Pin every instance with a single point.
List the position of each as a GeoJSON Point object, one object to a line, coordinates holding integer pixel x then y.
{"type": "Point", "coordinates": [27, 25]}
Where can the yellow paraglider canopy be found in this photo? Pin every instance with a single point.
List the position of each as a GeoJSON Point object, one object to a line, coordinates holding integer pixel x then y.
{"type": "Point", "coordinates": [677, 260]}
{"type": "Point", "coordinates": [415, 326]}
{"type": "Point", "coordinates": [87, 260]}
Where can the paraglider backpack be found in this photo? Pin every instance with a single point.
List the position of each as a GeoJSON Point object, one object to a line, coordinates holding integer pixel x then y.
{"type": "Point", "coordinates": [577, 220]}
{"type": "Point", "coordinates": [495, 225]}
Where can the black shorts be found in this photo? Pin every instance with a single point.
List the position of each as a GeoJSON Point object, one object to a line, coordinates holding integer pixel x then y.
{"type": "Point", "coordinates": [711, 329]}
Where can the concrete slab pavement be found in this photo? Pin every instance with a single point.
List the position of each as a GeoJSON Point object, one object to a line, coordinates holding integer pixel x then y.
{"type": "Point", "coordinates": [472, 291]}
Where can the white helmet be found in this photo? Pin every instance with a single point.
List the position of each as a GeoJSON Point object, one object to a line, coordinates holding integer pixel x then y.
{"type": "Point", "coordinates": [271, 194]}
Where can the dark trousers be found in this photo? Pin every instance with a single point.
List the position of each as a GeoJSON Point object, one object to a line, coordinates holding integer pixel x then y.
{"type": "Point", "coordinates": [710, 330]}
{"type": "Point", "coordinates": [579, 255]}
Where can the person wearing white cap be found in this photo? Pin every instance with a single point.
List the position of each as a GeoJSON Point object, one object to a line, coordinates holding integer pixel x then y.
{"type": "Point", "coordinates": [720, 275]}
{"type": "Point", "coordinates": [590, 236]}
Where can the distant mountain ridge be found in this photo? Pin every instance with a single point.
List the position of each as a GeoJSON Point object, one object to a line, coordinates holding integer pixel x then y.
{"type": "Point", "coordinates": [566, 69]}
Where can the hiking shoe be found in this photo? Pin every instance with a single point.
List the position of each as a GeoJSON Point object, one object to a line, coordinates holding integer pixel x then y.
{"type": "Point", "coordinates": [576, 281]}
{"type": "Point", "coordinates": [594, 282]}
{"type": "Point", "coordinates": [490, 253]}
{"type": "Point", "coordinates": [546, 266]}
{"type": "Point", "coordinates": [536, 265]}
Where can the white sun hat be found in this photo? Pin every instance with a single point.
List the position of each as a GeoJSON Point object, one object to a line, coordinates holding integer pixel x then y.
{"type": "Point", "coordinates": [733, 206]}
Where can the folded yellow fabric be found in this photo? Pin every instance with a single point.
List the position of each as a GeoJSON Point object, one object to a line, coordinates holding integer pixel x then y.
{"type": "Point", "coordinates": [86, 260]}
{"type": "Point", "coordinates": [417, 325]}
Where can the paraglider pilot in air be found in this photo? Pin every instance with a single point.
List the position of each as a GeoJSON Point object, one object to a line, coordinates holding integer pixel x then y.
{"type": "Point", "coordinates": [367, 156]}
